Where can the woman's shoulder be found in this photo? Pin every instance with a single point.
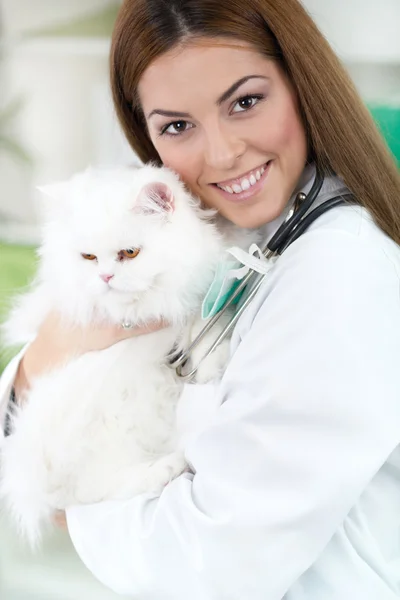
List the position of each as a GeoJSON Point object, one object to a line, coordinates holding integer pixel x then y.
{"type": "Point", "coordinates": [357, 224]}
{"type": "Point", "coordinates": [343, 261]}
{"type": "Point", "coordinates": [348, 234]}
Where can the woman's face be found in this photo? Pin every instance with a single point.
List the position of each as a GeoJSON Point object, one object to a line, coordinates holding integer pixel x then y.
{"type": "Point", "coordinates": [226, 119]}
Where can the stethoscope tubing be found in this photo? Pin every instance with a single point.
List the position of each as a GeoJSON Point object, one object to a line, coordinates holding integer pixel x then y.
{"type": "Point", "coordinates": [297, 222]}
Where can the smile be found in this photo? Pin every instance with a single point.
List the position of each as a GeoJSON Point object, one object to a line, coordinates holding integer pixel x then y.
{"type": "Point", "coordinates": [245, 187]}
{"type": "Point", "coordinates": [244, 183]}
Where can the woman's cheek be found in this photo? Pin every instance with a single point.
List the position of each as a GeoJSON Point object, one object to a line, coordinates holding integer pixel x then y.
{"type": "Point", "coordinates": [186, 172]}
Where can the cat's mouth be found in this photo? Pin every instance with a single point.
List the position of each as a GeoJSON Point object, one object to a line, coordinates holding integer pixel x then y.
{"type": "Point", "coordinates": [150, 285]}
{"type": "Point", "coordinates": [130, 295]}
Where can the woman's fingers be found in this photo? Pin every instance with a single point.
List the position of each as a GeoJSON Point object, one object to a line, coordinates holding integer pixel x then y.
{"type": "Point", "coordinates": [60, 520]}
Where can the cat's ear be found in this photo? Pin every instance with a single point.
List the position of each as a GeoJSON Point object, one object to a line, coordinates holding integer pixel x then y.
{"type": "Point", "coordinates": [55, 191]}
{"type": "Point", "coordinates": [54, 200]}
{"type": "Point", "coordinates": [155, 198]}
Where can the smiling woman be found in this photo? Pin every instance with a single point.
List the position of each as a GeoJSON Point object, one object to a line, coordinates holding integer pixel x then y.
{"type": "Point", "coordinates": [221, 142]}
{"type": "Point", "coordinates": [293, 484]}
{"type": "Point", "coordinates": [198, 58]}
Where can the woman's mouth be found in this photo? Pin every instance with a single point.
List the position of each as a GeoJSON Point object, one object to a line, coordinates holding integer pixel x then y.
{"type": "Point", "coordinates": [245, 187]}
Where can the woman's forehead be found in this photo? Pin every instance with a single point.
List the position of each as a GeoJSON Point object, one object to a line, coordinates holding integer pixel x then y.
{"type": "Point", "coordinates": [199, 67]}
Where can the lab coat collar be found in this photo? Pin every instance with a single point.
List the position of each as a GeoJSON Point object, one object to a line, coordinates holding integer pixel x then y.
{"type": "Point", "coordinates": [332, 186]}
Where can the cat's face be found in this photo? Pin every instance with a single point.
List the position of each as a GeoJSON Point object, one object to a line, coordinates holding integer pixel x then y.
{"type": "Point", "coordinates": [115, 234]}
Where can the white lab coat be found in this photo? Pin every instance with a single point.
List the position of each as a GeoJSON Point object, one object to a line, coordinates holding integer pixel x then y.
{"type": "Point", "coordinates": [295, 484]}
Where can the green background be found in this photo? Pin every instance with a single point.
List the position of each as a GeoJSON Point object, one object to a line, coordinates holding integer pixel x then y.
{"type": "Point", "coordinates": [387, 118]}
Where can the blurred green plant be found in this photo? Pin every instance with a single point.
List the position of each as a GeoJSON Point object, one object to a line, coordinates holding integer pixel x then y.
{"type": "Point", "coordinates": [17, 267]}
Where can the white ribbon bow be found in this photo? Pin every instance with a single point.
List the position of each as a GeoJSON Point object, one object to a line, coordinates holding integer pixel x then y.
{"type": "Point", "coordinates": [259, 263]}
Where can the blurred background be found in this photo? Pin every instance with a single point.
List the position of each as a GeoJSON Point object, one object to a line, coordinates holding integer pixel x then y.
{"type": "Point", "coordinates": [56, 117]}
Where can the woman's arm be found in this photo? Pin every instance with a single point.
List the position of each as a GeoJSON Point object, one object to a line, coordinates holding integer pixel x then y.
{"type": "Point", "coordinates": [56, 343]}
{"type": "Point", "coordinates": [7, 381]}
{"type": "Point", "coordinates": [310, 412]}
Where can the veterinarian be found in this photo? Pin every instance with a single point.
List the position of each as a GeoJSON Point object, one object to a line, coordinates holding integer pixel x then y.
{"type": "Point", "coordinates": [294, 483]}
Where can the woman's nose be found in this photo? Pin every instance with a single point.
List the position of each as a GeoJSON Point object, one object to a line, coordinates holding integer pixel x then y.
{"type": "Point", "coordinates": [106, 278]}
{"type": "Point", "coordinates": [223, 149]}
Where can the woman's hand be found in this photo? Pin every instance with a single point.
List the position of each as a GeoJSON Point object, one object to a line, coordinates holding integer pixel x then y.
{"type": "Point", "coordinates": [56, 342]}
{"type": "Point", "coordinates": [60, 520]}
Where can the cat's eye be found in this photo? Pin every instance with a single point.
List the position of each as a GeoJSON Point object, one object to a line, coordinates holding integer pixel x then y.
{"type": "Point", "coordinates": [89, 256]}
{"type": "Point", "coordinates": [128, 253]}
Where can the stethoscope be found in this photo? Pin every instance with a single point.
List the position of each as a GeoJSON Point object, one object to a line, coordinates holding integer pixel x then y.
{"type": "Point", "coordinates": [296, 223]}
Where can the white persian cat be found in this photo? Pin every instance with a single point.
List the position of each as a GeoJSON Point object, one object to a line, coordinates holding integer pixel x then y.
{"type": "Point", "coordinates": [118, 245]}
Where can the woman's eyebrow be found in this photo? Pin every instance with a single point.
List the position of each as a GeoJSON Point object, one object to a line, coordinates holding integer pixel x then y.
{"type": "Point", "coordinates": [167, 113]}
{"type": "Point", "coordinates": [225, 96]}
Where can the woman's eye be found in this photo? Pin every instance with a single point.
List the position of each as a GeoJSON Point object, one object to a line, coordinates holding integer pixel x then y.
{"type": "Point", "coordinates": [89, 256]}
{"type": "Point", "coordinates": [246, 103]}
{"type": "Point", "coordinates": [176, 128]}
{"type": "Point", "coordinates": [129, 253]}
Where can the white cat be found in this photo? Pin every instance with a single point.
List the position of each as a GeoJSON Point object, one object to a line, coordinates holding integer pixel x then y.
{"type": "Point", "coordinates": [118, 245]}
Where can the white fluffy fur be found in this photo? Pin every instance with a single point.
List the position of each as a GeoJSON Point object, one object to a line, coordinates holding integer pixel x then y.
{"type": "Point", "coordinates": [102, 426]}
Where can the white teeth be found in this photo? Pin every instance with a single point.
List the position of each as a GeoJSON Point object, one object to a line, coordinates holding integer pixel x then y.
{"type": "Point", "coordinates": [245, 183]}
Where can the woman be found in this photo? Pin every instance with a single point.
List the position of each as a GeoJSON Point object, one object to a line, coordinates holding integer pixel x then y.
{"type": "Point", "coordinates": [294, 489]}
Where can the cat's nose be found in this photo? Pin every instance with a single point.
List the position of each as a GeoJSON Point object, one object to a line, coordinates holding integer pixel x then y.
{"type": "Point", "coordinates": [106, 278]}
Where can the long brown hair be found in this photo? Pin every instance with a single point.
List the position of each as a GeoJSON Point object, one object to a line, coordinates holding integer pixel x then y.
{"type": "Point", "coordinates": [342, 135]}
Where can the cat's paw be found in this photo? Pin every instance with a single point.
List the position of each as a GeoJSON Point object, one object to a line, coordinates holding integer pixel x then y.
{"type": "Point", "coordinates": [213, 366]}
{"type": "Point", "coordinates": [164, 470]}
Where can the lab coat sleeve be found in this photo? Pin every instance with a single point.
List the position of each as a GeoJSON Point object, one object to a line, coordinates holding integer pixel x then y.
{"type": "Point", "coordinates": [6, 383]}
{"type": "Point", "coordinates": [310, 412]}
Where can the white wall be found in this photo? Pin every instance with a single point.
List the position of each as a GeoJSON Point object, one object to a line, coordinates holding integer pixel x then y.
{"type": "Point", "coordinates": [23, 15]}
{"type": "Point", "coordinates": [67, 120]}
{"type": "Point", "coordinates": [363, 29]}
{"type": "Point", "coordinates": [366, 35]}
